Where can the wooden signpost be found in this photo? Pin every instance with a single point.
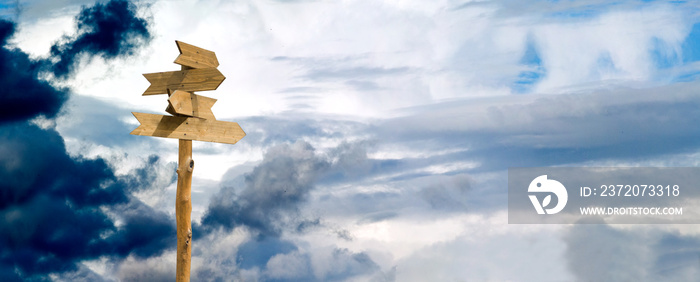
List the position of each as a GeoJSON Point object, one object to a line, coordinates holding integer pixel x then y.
{"type": "Point", "coordinates": [191, 119]}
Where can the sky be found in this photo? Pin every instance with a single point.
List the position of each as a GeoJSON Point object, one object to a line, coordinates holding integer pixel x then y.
{"type": "Point", "coordinates": [379, 135]}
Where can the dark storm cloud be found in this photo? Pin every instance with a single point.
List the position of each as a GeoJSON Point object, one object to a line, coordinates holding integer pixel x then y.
{"type": "Point", "coordinates": [51, 209]}
{"type": "Point", "coordinates": [22, 93]}
{"type": "Point", "coordinates": [272, 190]}
{"type": "Point", "coordinates": [108, 30]}
{"type": "Point", "coordinates": [56, 210]}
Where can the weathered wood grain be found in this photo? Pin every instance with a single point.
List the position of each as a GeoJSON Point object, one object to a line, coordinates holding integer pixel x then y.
{"type": "Point", "coordinates": [195, 57]}
{"type": "Point", "coordinates": [183, 210]}
{"type": "Point", "coordinates": [190, 104]}
{"type": "Point", "coordinates": [186, 80]}
{"type": "Point", "coordinates": [188, 128]}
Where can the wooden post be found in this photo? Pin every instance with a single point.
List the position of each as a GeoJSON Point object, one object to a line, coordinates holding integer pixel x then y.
{"type": "Point", "coordinates": [183, 210]}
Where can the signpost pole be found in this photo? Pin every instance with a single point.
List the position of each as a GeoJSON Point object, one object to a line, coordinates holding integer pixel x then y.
{"type": "Point", "coordinates": [183, 210]}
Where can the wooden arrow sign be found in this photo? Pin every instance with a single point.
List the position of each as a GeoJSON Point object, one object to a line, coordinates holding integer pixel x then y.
{"type": "Point", "coordinates": [186, 80]}
{"type": "Point", "coordinates": [189, 104]}
{"type": "Point", "coordinates": [195, 57]}
{"type": "Point", "coordinates": [188, 128]}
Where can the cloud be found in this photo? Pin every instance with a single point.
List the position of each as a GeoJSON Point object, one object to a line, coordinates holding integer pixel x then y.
{"type": "Point", "coordinates": [272, 130]}
{"type": "Point", "coordinates": [292, 266]}
{"type": "Point", "coordinates": [109, 30]}
{"type": "Point", "coordinates": [155, 268]}
{"type": "Point", "coordinates": [98, 121]}
{"type": "Point", "coordinates": [274, 259]}
{"type": "Point", "coordinates": [325, 265]}
{"type": "Point", "coordinates": [531, 256]}
{"type": "Point", "coordinates": [449, 196]}
{"type": "Point", "coordinates": [82, 274]}
{"type": "Point", "coordinates": [638, 254]}
{"type": "Point", "coordinates": [23, 94]}
{"type": "Point", "coordinates": [613, 254]}
{"type": "Point", "coordinates": [57, 211]}
{"type": "Point", "coordinates": [270, 206]}
{"type": "Point", "coordinates": [272, 191]}
{"type": "Point", "coordinates": [616, 124]}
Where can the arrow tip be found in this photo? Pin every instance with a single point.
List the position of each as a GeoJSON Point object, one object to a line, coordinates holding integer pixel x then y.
{"type": "Point", "coordinates": [178, 42]}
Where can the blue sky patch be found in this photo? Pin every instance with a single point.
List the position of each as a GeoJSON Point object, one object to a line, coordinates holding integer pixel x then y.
{"type": "Point", "coordinates": [663, 55]}
{"type": "Point", "coordinates": [535, 71]}
{"type": "Point", "coordinates": [691, 45]}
